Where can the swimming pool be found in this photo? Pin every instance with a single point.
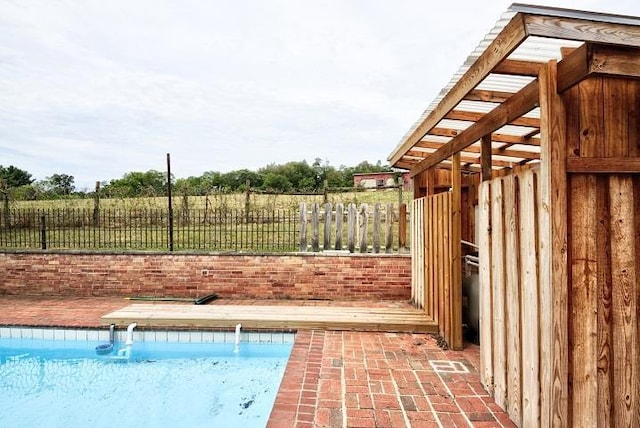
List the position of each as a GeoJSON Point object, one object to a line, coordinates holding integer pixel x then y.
{"type": "Point", "coordinates": [164, 383]}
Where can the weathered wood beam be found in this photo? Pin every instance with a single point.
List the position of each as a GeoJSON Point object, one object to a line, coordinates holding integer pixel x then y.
{"type": "Point", "coordinates": [500, 151]}
{"type": "Point", "coordinates": [488, 96]}
{"type": "Point", "coordinates": [600, 165]}
{"type": "Point", "coordinates": [506, 42]}
{"type": "Point", "coordinates": [469, 159]}
{"type": "Point", "coordinates": [472, 116]}
{"type": "Point", "coordinates": [519, 104]}
{"type": "Point", "coordinates": [499, 138]}
{"type": "Point", "coordinates": [518, 68]}
{"type": "Point", "coordinates": [620, 34]}
{"type": "Point", "coordinates": [591, 59]}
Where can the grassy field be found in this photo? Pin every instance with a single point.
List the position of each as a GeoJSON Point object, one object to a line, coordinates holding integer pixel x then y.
{"type": "Point", "coordinates": [222, 200]}
{"type": "Point", "coordinates": [213, 223]}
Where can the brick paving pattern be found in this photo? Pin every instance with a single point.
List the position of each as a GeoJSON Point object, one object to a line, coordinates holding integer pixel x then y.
{"type": "Point", "coordinates": [333, 378]}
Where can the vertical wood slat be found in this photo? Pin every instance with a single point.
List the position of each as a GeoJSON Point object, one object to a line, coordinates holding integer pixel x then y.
{"type": "Point", "coordinates": [498, 295]}
{"type": "Point", "coordinates": [530, 302]}
{"type": "Point", "coordinates": [388, 234]}
{"type": "Point", "coordinates": [430, 259]}
{"type": "Point", "coordinates": [326, 244]}
{"type": "Point", "coordinates": [376, 228]}
{"type": "Point", "coordinates": [513, 306]}
{"type": "Point", "coordinates": [364, 223]}
{"type": "Point", "coordinates": [445, 213]}
{"type": "Point", "coordinates": [315, 228]}
{"type": "Point", "coordinates": [486, 316]}
{"type": "Point", "coordinates": [417, 250]}
{"type": "Point", "coordinates": [351, 228]}
{"type": "Point", "coordinates": [339, 219]}
{"type": "Point", "coordinates": [303, 226]}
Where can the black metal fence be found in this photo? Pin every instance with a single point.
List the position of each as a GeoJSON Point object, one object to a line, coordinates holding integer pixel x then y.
{"type": "Point", "coordinates": [149, 229]}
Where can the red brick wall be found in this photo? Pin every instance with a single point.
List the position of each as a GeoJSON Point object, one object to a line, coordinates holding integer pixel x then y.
{"type": "Point", "coordinates": [308, 276]}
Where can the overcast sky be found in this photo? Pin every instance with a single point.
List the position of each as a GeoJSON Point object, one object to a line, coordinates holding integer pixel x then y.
{"type": "Point", "coordinates": [96, 89]}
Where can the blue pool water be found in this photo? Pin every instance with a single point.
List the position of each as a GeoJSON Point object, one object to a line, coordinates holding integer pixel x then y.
{"type": "Point", "coordinates": [49, 383]}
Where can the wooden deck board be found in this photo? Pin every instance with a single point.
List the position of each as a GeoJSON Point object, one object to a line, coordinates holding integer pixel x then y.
{"type": "Point", "coordinates": [274, 317]}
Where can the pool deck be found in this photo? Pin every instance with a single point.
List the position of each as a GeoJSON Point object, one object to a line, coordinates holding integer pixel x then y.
{"type": "Point", "coordinates": [333, 378]}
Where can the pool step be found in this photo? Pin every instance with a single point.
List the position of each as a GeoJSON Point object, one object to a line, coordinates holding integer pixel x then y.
{"type": "Point", "coordinates": [274, 317]}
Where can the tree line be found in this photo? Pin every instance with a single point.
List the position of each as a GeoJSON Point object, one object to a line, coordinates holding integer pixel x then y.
{"type": "Point", "coordinates": [291, 177]}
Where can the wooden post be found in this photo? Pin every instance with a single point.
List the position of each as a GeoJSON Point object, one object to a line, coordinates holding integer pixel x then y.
{"type": "Point", "coordinates": [326, 245]}
{"type": "Point", "coordinates": [554, 344]}
{"type": "Point", "coordinates": [339, 214]}
{"type": "Point", "coordinates": [376, 228]}
{"type": "Point", "coordinates": [351, 228]}
{"type": "Point", "coordinates": [388, 235]}
{"type": "Point", "coordinates": [402, 228]}
{"type": "Point", "coordinates": [400, 185]}
{"type": "Point", "coordinates": [303, 227]}
{"type": "Point", "coordinates": [315, 228]}
{"type": "Point", "coordinates": [364, 223]}
{"type": "Point", "coordinates": [485, 157]}
{"type": "Point", "coordinates": [96, 206]}
{"type": "Point", "coordinates": [456, 254]}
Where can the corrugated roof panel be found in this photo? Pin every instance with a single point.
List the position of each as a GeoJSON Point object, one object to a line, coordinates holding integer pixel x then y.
{"type": "Point", "coordinates": [540, 49]}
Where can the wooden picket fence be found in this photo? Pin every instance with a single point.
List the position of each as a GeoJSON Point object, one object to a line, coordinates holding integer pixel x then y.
{"type": "Point", "coordinates": [355, 229]}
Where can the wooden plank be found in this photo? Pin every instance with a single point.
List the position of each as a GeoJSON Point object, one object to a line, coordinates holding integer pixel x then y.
{"type": "Point", "coordinates": [518, 68]}
{"type": "Point", "coordinates": [605, 288]}
{"type": "Point", "coordinates": [328, 210]}
{"type": "Point", "coordinates": [488, 96]}
{"type": "Point", "coordinates": [553, 249]}
{"type": "Point", "coordinates": [486, 317]}
{"type": "Point", "coordinates": [504, 43]}
{"type": "Point", "coordinates": [388, 234]}
{"type": "Point", "coordinates": [624, 302]}
{"type": "Point", "coordinates": [498, 294]}
{"type": "Point", "coordinates": [402, 227]}
{"type": "Point", "coordinates": [270, 317]}
{"type": "Point", "coordinates": [471, 116]}
{"type": "Point", "coordinates": [445, 214]}
{"type": "Point", "coordinates": [376, 227]}
{"type": "Point", "coordinates": [430, 259]}
{"type": "Point", "coordinates": [584, 305]}
{"type": "Point", "coordinates": [530, 303]}
{"type": "Point", "coordinates": [303, 226]}
{"type": "Point", "coordinates": [624, 278]}
{"type": "Point", "coordinates": [603, 165]}
{"type": "Point", "coordinates": [315, 228]}
{"type": "Point", "coordinates": [472, 149]}
{"type": "Point", "coordinates": [513, 307]}
{"type": "Point", "coordinates": [352, 224]}
{"type": "Point", "coordinates": [582, 30]}
{"type": "Point", "coordinates": [518, 105]}
{"type": "Point", "coordinates": [339, 220]}
{"type": "Point", "coordinates": [573, 68]}
{"type": "Point", "coordinates": [456, 254]}
{"type": "Point", "coordinates": [364, 228]}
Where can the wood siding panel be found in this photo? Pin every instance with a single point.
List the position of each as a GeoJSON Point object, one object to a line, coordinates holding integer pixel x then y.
{"type": "Point", "coordinates": [486, 316]}
{"type": "Point", "coordinates": [498, 294]}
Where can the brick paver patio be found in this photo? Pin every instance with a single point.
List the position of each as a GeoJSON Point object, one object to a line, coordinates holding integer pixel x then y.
{"type": "Point", "coordinates": [333, 378]}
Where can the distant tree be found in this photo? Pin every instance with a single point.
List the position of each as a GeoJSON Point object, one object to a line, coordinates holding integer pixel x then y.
{"type": "Point", "coordinates": [276, 183]}
{"type": "Point", "coordinates": [60, 184]}
{"type": "Point", "coordinates": [133, 184]}
{"type": "Point", "coordinates": [15, 177]}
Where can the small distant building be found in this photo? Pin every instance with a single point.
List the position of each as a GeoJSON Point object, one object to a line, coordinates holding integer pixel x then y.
{"type": "Point", "coordinates": [380, 180]}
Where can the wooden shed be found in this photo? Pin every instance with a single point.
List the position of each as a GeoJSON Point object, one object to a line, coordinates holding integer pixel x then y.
{"type": "Point", "coordinates": [532, 154]}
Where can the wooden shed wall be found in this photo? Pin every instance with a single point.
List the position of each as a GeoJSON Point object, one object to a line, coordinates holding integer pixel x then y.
{"type": "Point", "coordinates": [603, 142]}
{"type": "Point", "coordinates": [510, 255]}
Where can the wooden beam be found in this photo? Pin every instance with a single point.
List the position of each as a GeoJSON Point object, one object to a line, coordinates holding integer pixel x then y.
{"type": "Point", "coordinates": [584, 30]}
{"type": "Point", "coordinates": [522, 154]}
{"type": "Point", "coordinates": [485, 157]}
{"type": "Point", "coordinates": [592, 59]}
{"type": "Point", "coordinates": [506, 42]}
{"type": "Point", "coordinates": [472, 116]}
{"type": "Point", "coordinates": [604, 165]}
{"type": "Point", "coordinates": [518, 68]}
{"type": "Point", "coordinates": [516, 106]}
{"type": "Point", "coordinates": [465, 159]}
{"type": "Point", "coordinates": [488, 96]}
